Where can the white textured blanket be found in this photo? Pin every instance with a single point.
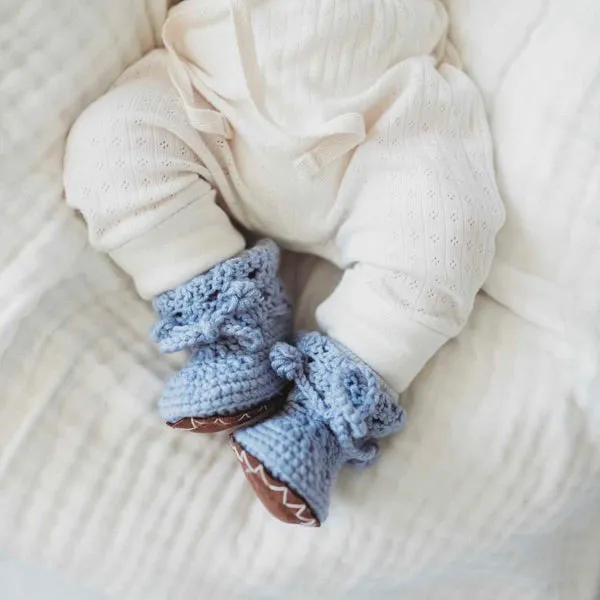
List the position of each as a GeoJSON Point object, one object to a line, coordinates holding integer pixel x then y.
{"type": "Point", "coordinates": [493, 490]}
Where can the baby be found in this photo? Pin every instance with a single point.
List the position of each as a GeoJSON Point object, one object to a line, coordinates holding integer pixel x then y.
{"type": "Point", "coordinates": [339, 128]}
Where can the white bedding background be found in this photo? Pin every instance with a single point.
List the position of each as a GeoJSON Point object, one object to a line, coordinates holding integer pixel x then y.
{"type": "Point", "coordinates": [492, 492]}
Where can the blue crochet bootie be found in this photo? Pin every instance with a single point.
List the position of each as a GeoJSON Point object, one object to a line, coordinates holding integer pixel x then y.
{"type": "Point", "coordinates": [229, 318]}
{"type": "Point", "coordinates": [336, 410]}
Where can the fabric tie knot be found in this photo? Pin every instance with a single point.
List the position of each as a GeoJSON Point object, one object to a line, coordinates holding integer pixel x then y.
{"type": "Point", "coordinates": [230, 319]}
{"type": "Point", "coordinates": [204, 331]}
{"type": "Point", "coordinates": [287, 361]}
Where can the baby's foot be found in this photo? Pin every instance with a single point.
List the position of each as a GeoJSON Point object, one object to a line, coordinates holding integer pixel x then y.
{"type": "Point", "coordinates": [333, 415]}
{"type": "Point", "coordinates": [229, 318]}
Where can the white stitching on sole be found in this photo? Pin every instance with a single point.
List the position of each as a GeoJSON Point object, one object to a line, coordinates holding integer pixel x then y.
{"type": "Point", "coordinates": [204, 424]}
{"type": "Point", "coordinates": [283, 490]}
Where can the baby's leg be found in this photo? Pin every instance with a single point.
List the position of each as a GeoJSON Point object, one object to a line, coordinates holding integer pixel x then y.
{"type": "Point", "coordinates": [134, 169]}
{"type": "Point", "coordinates": [418, 211]}
{"type": "Point", "coordinates": [422, 213]}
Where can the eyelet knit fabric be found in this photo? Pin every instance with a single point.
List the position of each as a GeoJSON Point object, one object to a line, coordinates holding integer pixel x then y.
{"type": "Point", "coordinates": [334, 414]}
{"type": "Point", "coordinates": [229, 317]}
{"type": "Point", "coordinates": [341, 129]}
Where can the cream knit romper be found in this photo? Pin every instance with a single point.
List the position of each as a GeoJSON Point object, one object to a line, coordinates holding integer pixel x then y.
{"type": "Point", "coordinates": [340, 128]}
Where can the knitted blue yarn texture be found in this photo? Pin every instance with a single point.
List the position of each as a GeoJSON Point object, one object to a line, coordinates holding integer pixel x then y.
{"type": "Point", "coordinates": [229, 318]}
{"type": "Point", "coordinates": [334, 413]}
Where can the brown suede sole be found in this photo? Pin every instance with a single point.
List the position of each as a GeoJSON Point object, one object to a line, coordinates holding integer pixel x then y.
{"type": "Point", "coordinates": [227, 422]}
{"type": "Point", "coordinates": [277, 497]}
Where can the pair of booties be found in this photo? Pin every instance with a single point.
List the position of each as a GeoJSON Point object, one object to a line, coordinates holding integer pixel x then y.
{"type": "Point", "coordinates": [297, 412]}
